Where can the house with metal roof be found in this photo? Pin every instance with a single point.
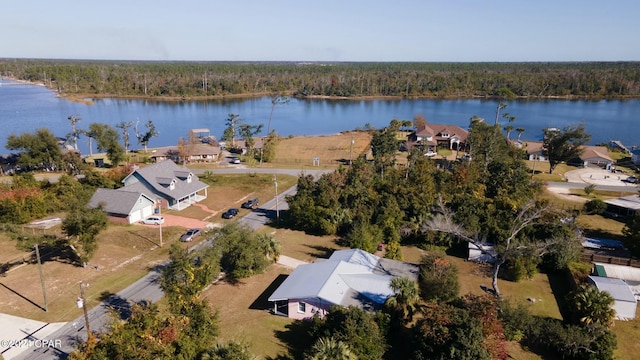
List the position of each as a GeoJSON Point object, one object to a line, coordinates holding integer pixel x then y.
{"type": "Point", "coordinates": [175, 187]}
{"type": "Point", "coordinates": [624, 301]}
{"type": "Point", "coordinates": [124, 207]}
{"type": "Point", "coordinates": [625, 206]}
{"type": "Point", "coordinates": [348, 278]}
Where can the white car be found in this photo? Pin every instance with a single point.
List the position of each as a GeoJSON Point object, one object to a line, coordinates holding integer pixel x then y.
{"type": "Point", "coordinates": [153, 220]}
{"type": "Point", "coordinates": [430, 153]}
{"type": "Point", "coordinates": [235, 160]}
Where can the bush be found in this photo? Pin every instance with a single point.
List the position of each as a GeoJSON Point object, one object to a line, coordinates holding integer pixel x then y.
{"type": "Point", "coordinates": [521, 267]}
{"type": "Point", "coordinates": [594, 207]}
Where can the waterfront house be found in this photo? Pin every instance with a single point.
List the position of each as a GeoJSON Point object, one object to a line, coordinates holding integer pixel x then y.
{"type": "Point", "coordinates": [430, 137]}
{"type": "Point", "coordinates": [591, 155]}
{"type": "Point", "coordinates": [348, 278]}
{"type": "Point", "coordinates": [188, 154]}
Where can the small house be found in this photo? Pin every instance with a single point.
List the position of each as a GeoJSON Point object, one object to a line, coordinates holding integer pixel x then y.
{"type": "Point", "coordinates": [625, 206]}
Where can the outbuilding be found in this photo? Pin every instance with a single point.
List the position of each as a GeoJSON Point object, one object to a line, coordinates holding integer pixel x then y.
{"type": "Point", "coordinates": [625, 302]}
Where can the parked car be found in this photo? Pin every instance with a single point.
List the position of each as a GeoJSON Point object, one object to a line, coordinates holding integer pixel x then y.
{"type": "Point", "coordinates": [631, 180]}
{"type": "Point", "coordinates": [190, 235]}
{"type": "Point", "coordinates": [230, 213]}
{"type": "Point", "coordinates": [153, 220]}
{"type": "Point", "coordinates": [235, 160]}
{"type": "Point", "coordinates": [430, 153]}
{"type": "Point", "coordinates": [250, 204]}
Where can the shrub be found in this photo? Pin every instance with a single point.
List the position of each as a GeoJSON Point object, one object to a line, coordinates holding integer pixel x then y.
{"type": "Point", "coordinates": [595, 206]}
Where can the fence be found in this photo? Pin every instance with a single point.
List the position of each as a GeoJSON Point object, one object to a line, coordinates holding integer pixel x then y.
{"type": "Point", "coordinates": [610, 260]}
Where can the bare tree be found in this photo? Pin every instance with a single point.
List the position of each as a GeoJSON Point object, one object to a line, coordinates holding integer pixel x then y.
{"type": "Point", "coordinates": [513, 244]}
{"type": "Point", "coordinates": [124, 126]}
{"type": "Point", "coordinates": [75, 133]}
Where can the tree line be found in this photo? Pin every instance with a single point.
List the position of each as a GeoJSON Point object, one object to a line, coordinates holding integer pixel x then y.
{"type": "Point", "coordinates": [211, 79]}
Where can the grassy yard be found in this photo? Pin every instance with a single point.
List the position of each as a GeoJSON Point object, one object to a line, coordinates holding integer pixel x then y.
{"type": "Point", "coordinates": [331, 150]}
{"type": "Point", "coordinates": [125, 254]}
{"type": "Point", "coordinates": [243, 308]}
{"type": "Point", "coordinates": [541, 169]}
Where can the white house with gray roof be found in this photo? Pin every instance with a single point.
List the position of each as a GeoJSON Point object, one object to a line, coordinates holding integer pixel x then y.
{"type": "Point", "coordinates": [348, 277]}
{"type": "Point", "coordinates": [624, 300]}
{"type": "Point", "coordinates": [175, 186]}
{"type": "Point", "coordinates": [125, 207]}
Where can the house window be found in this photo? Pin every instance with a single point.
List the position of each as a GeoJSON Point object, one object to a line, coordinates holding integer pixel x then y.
{"type": "Point", "coordinates": [445, 135]}
{"type": "Point", "coordinates": [172, 185]}
{"type": "Point", "coordinates": [302, 307]}
{"type": "Point", "coordinates": [189, 178]}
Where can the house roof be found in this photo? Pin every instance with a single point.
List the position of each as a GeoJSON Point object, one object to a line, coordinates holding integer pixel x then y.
{"type": "Point", "coordinates": [348, 277]}
{"type": "Point", "coordinates": [117, 201]}
{"type": "Point", "coordinates": [197, 149]}
{"type": "Point", "coordinates": [157, 178]}
{"type": "Point", "coordinates": [628, 202]}
{"type": "Point", "coordinates": [593, 152]}
{"type": "Point", "coordinates": [534, 147]}
{"type": "Point", "coordinates": [436, 129]}
{"type": "Point", "coordinates": [618, 289]}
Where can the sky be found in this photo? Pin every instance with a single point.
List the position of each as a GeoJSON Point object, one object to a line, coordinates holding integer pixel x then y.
{"type": "Point", "coordinates": [326, 30]}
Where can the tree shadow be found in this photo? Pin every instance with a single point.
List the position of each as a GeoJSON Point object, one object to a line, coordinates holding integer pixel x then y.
{"type": "Point", "coordinates": [561, 285]}
{"type": "Point", "coordinates": [262, 301]}
{"type": "Point", "coordinates": [296, 338]}
{"type": "Point", "coordinates": [59, 251]}
{"type": "Point", "coordinates": [120, 306]}
{"type": "Point", "coordinates": [323, 252]}
{"type": "Point", "coordinates": [23, 297]}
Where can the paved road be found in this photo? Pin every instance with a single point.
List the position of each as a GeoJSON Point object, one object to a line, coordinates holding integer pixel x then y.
{"type": "Point", "coordinates": [148, 288]}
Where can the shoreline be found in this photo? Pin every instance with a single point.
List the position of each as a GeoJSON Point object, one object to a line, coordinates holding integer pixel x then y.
{"type": "Point", "coordinates": [87, 98]}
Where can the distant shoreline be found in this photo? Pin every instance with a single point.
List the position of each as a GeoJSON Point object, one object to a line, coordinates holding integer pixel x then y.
{"type": "Point", "coordinates": [86, 98]}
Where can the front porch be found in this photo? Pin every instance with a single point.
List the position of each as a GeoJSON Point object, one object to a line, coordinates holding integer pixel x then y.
{"type": "Point", "coordinates": [188, 201]}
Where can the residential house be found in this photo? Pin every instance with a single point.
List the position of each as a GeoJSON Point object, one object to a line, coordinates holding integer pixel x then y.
{"type": "Point", "coordinates": [124, 207]}
{"type": "Point", "coordinates": [625, 206]}
{"type": "Point", "coordinates": [591, 155]}
{"type": "Point", "coordinates": [190, 153]}
{"type": "Point", "coordinates": [433, 136]}
{"type": "Point", "coordinates": [625, 302]}
{"type": "Point", "coordinates": [349, 277]}
{"type": "Point", "coordinates": [175, 186]}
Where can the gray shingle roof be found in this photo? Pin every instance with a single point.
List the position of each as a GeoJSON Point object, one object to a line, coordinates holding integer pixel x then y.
{"type": "Point", "coordinates": [116, 201]}
{"type": "Point", "coordinates": [156, 180]}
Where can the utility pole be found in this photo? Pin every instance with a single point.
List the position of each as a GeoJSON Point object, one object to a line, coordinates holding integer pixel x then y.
{"type": "Point", "coordinates": [44, 291]}
{"type": "Point", "coordinates": [82, 302]}
{"type": "Point", "coordinates": [275, 183]}
{"type": "Point", "coordinates": [160, 222]}
{"type": "Point", "coordinates": [351, 151]}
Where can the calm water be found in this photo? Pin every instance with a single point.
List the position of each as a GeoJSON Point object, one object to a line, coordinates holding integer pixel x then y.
{"type": "Point", "coordinates": [25, 108]}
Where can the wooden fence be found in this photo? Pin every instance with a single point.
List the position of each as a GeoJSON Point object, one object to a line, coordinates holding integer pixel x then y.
{"type": "Point", "coordinates": [610, 260]}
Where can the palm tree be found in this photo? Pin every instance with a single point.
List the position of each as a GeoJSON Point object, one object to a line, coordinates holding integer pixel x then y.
{"type": "Point", "coordinates": [508, 129]}
{"type": "Point", "coordinates": [270, 246]}
{"type": "Point", "coordinates": [520, 130]}
{"type": "Point", "coordinates": [592, 306]}
{"type": "Point", "coordinates": [330, 349]}
{"type": "Point", "coordinates": [406, 298]}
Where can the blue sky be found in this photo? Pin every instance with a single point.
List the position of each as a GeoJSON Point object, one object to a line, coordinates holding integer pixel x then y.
{"type": "Point", "coordinates": [327, 30]}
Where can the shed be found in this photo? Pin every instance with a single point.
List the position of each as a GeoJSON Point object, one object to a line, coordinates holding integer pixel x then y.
{"type": "Point", "coordinates": [624, 301]}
